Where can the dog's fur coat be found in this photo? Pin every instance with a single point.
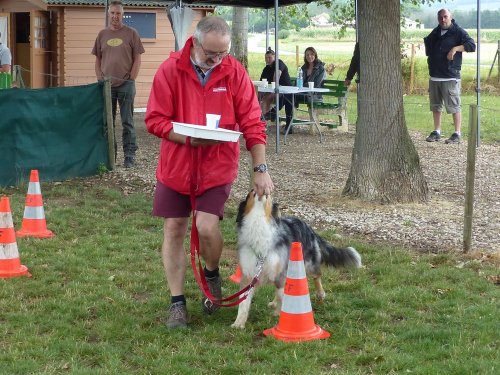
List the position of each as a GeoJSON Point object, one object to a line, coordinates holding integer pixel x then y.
{"type": "Point", "coordinates": [264, 234]}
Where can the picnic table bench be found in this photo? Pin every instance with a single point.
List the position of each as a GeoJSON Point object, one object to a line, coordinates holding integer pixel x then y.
{"type": "Point", "coordinates": [334, 103]}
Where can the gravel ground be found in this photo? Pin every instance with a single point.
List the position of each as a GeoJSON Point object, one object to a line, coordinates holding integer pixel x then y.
{"type": "Point", "coordinates": [309, 177]}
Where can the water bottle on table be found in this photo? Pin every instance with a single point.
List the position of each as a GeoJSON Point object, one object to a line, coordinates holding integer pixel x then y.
{"type": "Point", "coordinates": [300, 78]}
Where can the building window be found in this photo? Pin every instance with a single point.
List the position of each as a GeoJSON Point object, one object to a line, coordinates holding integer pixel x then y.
{"type": "Point", "coordinates": [41, 32]}
{"type": "Point", "coordinates": [144, 23]}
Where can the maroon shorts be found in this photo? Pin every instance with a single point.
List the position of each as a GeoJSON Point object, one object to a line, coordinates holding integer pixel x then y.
{"type": "Point", "coordinates": [168, 203]}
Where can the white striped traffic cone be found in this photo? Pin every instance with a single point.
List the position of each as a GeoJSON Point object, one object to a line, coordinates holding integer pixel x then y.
{"type": "Point", "coordinates": [296, 321]}
{"type": "Point", "coordinates": [10, 264]}
{"type": "Point", "coordinates": [34, 224]}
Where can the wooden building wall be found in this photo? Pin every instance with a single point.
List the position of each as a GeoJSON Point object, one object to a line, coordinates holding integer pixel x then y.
{"type": "Point", "coordinates": [80, 28]}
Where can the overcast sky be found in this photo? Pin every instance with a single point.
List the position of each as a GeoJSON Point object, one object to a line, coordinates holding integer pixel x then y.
{"type": "Point", "coordinates": [467, 5]}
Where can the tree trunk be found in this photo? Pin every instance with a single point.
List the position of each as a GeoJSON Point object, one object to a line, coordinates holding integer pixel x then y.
{"type": "Point", "coordinates": [239, 38]}
{"type": "Point", "coordinates": [385, 165]}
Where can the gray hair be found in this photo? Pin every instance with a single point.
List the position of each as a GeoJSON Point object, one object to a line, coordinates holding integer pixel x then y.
{"type": "Point", "coordinates": [115, 3]}
{"type": "Point", "coordinates": [211, 24]}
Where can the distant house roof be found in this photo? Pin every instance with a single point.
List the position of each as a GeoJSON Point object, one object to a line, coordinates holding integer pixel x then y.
{"type": "Point", "coordinates": [136, 3]}
{"type": "Point", "coordinates": [320, 20]}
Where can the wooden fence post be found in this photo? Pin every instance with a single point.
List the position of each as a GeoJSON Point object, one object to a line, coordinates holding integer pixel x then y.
{"type": "Point", "coordinates": [297, 58]}
{"type": "Point", "coordinates": [109, 121]}
{"type": "Point", "coordinates": [470, 177]}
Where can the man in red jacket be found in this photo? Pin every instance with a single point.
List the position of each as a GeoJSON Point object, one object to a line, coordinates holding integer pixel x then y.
{"type": "Point", "coordinates": [199, 79]}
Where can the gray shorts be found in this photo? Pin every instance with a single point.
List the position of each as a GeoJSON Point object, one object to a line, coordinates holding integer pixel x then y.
{"type": "Point", "coordinates": [444, 92]}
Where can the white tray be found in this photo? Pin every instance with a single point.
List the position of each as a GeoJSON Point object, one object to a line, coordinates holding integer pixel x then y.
{"type": "Point", "coordinates": [200, 131]}
{"type": "Point", "coordinates": [260, 83]}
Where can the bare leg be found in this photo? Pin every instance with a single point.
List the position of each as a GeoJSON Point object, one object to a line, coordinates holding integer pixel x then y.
{"type": "Point", "coordinates": [173, 255]}
{"type": "Point", "coordinates": [457, 121]}
{"type": "Point", "coordinates": [437, 120]}
{"type": "Point", "coordinates": [266, 103]}
{"type": "Point", "coordinates": [211, 241]}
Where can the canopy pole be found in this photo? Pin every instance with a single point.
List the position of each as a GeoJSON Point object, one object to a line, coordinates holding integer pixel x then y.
{"type": "Point", "coordinates": [276, 74]}
{"type": "Point", "coordinates": [267, 29]}
{"type": "Point", "coordinates": [478, 72]}
{"type": "Point", "coordinates": [356, 19]}
{"type": "Point", "coordinates": [106, 6]}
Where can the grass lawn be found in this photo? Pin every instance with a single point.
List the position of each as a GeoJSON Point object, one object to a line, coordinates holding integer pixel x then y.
{"type": "Point", "coordinates": [96, 304]}
{"type": "Point", "coordinates": [97, 300]}
{"type": "Point", "coordinates": [419, 118]}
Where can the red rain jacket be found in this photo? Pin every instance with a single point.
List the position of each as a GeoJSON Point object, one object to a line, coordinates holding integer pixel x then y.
{"type": "Point", "coordinates": [177, 95]}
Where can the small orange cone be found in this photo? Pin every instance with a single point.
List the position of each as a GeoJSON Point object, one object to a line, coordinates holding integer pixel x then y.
{"type": "Point", "coordinates": [296, 321]}
{"type": "Point", "coordinates": [10, 264]}
{"type": "Point", "coordinates": [236, 276]}
{"type": "Point", "coordinates": [34, 224]}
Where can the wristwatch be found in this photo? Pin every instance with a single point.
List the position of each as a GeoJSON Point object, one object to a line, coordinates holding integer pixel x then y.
{"type": "Point", "coordinates": [260, 168]}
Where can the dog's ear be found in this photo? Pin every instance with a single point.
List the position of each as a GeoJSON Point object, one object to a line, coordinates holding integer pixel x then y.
{"type": "Point", "coordinates": [276, 212]}
{"type": "Point", "coordinates": [241, 211]}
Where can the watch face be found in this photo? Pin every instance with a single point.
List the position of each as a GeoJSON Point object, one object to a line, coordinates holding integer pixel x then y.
{"type": "Point", "coordinates": [260, 168]}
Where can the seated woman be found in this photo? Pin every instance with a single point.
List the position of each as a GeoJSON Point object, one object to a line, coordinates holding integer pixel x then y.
{"type": "Point", "coordinates": [313, 70]}
{"type": "Point", "coordinates": [284, 80]}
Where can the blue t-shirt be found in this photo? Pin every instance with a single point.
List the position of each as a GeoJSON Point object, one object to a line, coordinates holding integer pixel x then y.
{"type": "Point", "coordinates": [5, 56]}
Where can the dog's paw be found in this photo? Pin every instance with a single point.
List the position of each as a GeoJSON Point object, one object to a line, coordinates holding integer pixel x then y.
{"type": "Point", "coordinates": [238, 325]}
{"type": "Point", "coordinates": [321, 296]}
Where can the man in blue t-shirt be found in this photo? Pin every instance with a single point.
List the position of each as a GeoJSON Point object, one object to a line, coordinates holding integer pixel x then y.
{"type": "Point", "coordinates": [5, 58]}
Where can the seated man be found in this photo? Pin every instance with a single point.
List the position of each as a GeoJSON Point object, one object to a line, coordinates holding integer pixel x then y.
{"type": "Point", "coordinates": [284, 80]}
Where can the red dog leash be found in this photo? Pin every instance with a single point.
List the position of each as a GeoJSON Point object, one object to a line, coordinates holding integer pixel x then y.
{"type": "Point", "coordinates": [237, 297]}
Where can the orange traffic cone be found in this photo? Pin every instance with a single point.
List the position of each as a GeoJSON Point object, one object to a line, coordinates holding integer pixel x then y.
{"type": "Point", "coordinates": [236, 276]}
{"type": "Point", "coordinates": [10, 265]}
{"type": "Point", "coordinates": [296, 321]}
{"type": "Point", "coordinates": [34, 224]}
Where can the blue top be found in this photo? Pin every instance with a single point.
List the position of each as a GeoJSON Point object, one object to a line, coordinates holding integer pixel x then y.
{"type": "Point", "coordinates": [437, 47]}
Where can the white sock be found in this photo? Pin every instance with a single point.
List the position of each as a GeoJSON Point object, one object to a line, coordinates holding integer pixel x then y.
{"type": "Point", "coordinates": [458, 133]}
{"type": "Point", "coordinates": [438, 131]}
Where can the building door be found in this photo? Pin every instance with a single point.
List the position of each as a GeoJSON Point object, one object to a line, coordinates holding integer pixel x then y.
{"type": "Point", "coordinates": [21, 47]}
{"type": "Point", "coordinates": [39, 49]}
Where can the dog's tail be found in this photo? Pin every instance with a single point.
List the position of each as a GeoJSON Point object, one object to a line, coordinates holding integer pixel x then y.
{"type": "Point", "coordinates": [345, 257]}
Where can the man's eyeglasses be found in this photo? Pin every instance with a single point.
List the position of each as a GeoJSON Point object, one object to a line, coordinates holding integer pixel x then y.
{"type": "Point", "coordinates": [213, 55]}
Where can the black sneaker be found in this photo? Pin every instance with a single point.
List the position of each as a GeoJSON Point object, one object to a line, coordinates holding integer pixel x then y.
{"type": "Point", "coordinates": [285, 128]}
{"type": "Point", "coordinates": [215, 286]}
{"type": "Point", "coordinates": [177, 317]}
{"type": "Point", "coordinates": [433, 137]}
{"type": "Point", "coordinates": [455, 138]}
{"type": "Point", "coordinates": [271, 115]}
{"type": "Point", "coordinates": [129, 162]}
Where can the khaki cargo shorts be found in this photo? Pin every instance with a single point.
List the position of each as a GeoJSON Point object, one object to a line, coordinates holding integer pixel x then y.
{"type": "Point", "coordinates": [445, 93]}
